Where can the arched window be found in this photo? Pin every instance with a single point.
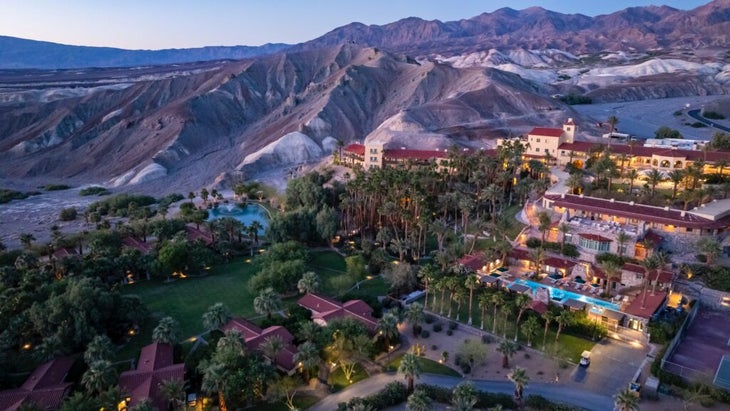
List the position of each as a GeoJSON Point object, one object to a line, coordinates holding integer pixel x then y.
{"type": "Point", "coordinates": [678, 164]}
{"type": "Point", "coordinates": [664, 164]}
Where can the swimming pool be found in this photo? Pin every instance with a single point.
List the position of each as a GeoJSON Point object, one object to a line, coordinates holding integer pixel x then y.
{"type": "Point", "coordinates": [560, 296]}
{"type": "Point", "coordinates": [246, 214]}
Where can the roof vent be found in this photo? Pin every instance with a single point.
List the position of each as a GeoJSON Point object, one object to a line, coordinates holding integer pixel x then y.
{"type": "Point", "coordinates": [562, 195]}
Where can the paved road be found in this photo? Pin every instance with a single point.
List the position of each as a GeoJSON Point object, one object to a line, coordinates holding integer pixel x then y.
{"type": "Point", "coordinates": [554, 392]}
{"type": "Point", "coordinates": [613, 364]}
{"type": "Point", "coordinates": [695, 114]}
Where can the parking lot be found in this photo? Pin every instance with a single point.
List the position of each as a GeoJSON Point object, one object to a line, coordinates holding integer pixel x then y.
{"type": "Point", "coordinates": [613, 364]}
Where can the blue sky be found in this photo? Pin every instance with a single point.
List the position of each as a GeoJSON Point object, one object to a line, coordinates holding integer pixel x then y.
{"type": "Point", "coordinates": [155, 24]}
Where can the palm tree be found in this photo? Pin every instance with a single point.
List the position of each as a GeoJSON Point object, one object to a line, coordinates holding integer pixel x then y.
{"type": "Point", "coordinates": [309, 283]}
{"type": "Point", "coordinates": [654, 177]}
{"type": "Point", "coordinates": [100, 348]}
{"type": "Point", "coordinates": [649, 264]}
{"type": "Point", "coordinates": [564, 319]}
{"type": "Point", "coordinates": [626, 400]}
{"type": "Point", "coordinates": [662, 259]}
{"type": "Point", "coordinates": [632, 174]}
{"type": "Point", "coordinates": [410, 368]}
{"type": "Point", "coordinates": [464, 396]}
{"type": "Point", "coordinates": [267, 302]}
{"type": "Point", "coordinates": [621, 239]}
{"type": "Point", "coordinates": [564, 230]}
{"type": "Point", "coordinates": [173, 390]}
{"type": "Point", "coordinates": [307, 357]}
{"type": "Point", "coordinates": [27, 239]}
{"type": "Point", "coordinates": [98, 377]}
{"type": "Point", "coordinates": [575, 183]}
{"type": "Point", "coordinates": [216, 317]}
{"type": "Point", "coordinates": [548, 316]}
{"type": "Point", "coordinates": [612, 121]}
{"type": "Point", "coordinates": [470, 283]}
{"type": "Point", "coordinates": [710, 247]}
{"type": "Point", "coordinates": [519, 378]}
{"type": "Point", "coordinates": [676, 177]}
{"type": "Point", "coordinates": [418, 401]}
{"type": "Point", "coordinates": [458, 297]}
{"type": "Point", "coordinates": [214, 380]}
{"type": "Point", "coordinates": [272, 346]}
{"type": "Point", "coordinates": [498, 300]}
{"type": "Point", "coordinates": [612, 270]}
{"type": "Point", "coordinates": [415, 315]}
{"type": "Point", "coordinates": [427, 274]}
{"type": "Point", "coordinates": [508, 349]}
{"type": "Point", "coordinates": [522, 302]}
{"type": "Point", "coordinates": [537, 256]}
{"type": "Point", "coordinates": [388, 327]}
{"type": "Point", "coordinates": [166, 331]}
{"type": "Point", "coordinates": [483, 302]}
{"type": "Point", "coordinates": [529, 329]}
{"type": "Point", "coordinates": [544, 224]}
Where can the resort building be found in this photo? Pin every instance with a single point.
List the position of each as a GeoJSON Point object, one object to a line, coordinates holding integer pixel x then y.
{"type": "Point", "coordinates": [155, 366]}
{"type": "Point", "coordinates": [254, 337]}
{"type": "Point", "coordinates": [596, 222]}
{"type": "Point", "coordinates": [325, 309]}
{"type": "Point", "coordinates": [45, 387]}
{"type": "Point", "coordinates": [545, 142]}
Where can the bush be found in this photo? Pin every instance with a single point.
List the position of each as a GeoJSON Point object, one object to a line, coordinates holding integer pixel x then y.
{"type": "Point", "coordinates": [392, 394]}
{"type": "Point", "coordinates": [539, 402]}
{"type": "Point", "coordinates": [573, 99]}
{"type": "Point", "coordinates": [56, 187]}
{"type": "Point", "coordinates": [425, 334]}
{"type": "Point", "coordinates": [487, 399]}
{"type": "Point", "coordinates": [570, 250]}
{"type": "Point", "coordinates": [429, 319]}
{"type": "Point", "coordinates": [437, 327]}
{"type": "Point", "coordinates": [465, 367]}
{"type": "Point", "coordinates": [449, 332]}
{"type": "Point", "coordinates": [453, 325]}
{"type": "Point", "coordinates": [93, 190]}
{"type": "Point", "coordinates": [533, 242]}
{"type": "Point", "coordinates": [713, 115]}
{"type": "Point", "coordinates": [701, 258]}
{"type": "Point", "coordinates": [68, 214]}
{"type": "Point", "coordinates": [487, 339]}
{"type": "Point", "coordinates": [697, 124]}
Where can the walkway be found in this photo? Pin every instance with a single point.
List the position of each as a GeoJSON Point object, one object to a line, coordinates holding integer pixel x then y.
{"type": "Point", "coordinates": [553, 392]}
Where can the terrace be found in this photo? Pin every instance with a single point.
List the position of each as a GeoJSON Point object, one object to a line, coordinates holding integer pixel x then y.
{"type": "Point", "coordinates": [608, 227]}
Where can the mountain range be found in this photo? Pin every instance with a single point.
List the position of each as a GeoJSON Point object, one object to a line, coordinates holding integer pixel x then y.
{"type": "Point", "coordinates": [162, 127]}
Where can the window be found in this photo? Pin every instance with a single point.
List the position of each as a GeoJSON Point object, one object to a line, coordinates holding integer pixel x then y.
{"type": "Point", "coordinates": [562, 153]}
{"type": "Point", "coordinates": [594, 244]}
{"type": "Point", "coordinates": [567, 128]}
{"type": "Point", "coordinates": [537, 150]}
{"type": "Point", "coordinates": [373, 151]}
{"type": "Point", "coordinates": [622, 250]}
{"type": "Point", "coordinates": [537, 140]}
{"type": "Point", "coordinates": [373, 159]}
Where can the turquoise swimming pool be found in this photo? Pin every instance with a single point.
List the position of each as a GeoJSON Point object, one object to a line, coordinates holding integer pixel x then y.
{"type": "Point", "coordinates": [247, 214]}
{"type": "Point", "coordinates": [560, 296]}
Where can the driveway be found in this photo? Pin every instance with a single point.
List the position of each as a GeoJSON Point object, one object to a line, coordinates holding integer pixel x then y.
{"type": "Point", "coordinates": [554, 392]}
{"type": "Point", "coordinates": [613, 365]}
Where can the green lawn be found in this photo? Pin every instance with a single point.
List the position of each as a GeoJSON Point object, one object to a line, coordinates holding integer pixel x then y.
{"type": "Point", "coordinates": [427, 366]}
{"type": "Point", "coordinates": [187, 299]}
{"type": "Point", "coordinates": [301, 401]}
{"type": "Point", "coordinates": [337, 379]}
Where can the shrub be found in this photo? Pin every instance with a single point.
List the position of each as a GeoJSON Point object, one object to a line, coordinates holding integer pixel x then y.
{"type": "Point", "coordinates": [570, 250]}
{"type": "Point", "coordinates": [487, 339]}
{"type": "Point", "coordinates": [713, 115]}
{"type": "Point", "coordinates": [539, 402]}
{"type": "Point", "coordinates": [449, 332]}
{"type": "Point", "coordinates": [533, 242]}
{"type": "Point", "coordinates": [465, 367]}
{"type": "Point", "coordinates": [68, 214]}
{"type": "Point", "coordinates": [425, 334]}
{"type": "Point", "coordinates": [429, 319]}
{"type": "Point", "coordinates": [93, 190]}
{"type": "Point", "coordinates": [437, 327]}
{"type": "Point", "coordinates": [697, 124]}
{"type": "Point", "coordinates": [487, 399]}
{"type": "Point", "coordinates": [55, 187]}
{"type": "Point", "coordinates": [453, 325]}
{"type": "Point", "coordinates": [573, 99]}
{"type": "Point", "coordinates": [701, 258]}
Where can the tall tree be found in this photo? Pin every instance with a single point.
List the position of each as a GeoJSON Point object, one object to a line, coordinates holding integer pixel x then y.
{"type": "Point", "coordinates": [272, 346]}
{"type": "Point", "coordinates": [388, 328]}
{"type": "Point", "coordinates": [309, 283]}
{"type": "Point", "coordinates": [98, 377]}
{"type": "Point", "coordinates": [508, 349]}
{"type": "Point", "coordinates": [522, 302]}
{"type": "Point", "coordinates": [649, 264]}
{"type": "Point", "coordinates": [612, 270]}
{"type": "Point", "coordinates": [427, 273]}
{"type": "Point", "coordinates": [307, 357]}
{"type": "Point", "coordinates": [415, 316]}
{"type": "Point", "coordinates": [654, 177]}
{"type": "Point", "coordinates": [267, 302]}
{"type": "Point", "coordinates": [519, 378]}
{"type": "Point", "coordinates": [497, 300]}
{"type": "Point", "coordinates": [173, 390]}
{"type": "Point", "coordinates": [470, 283]}
{"type": "Point", "coordinates": [464, 396]}
{"type": "Point", "coordinates": [564, 230]}
{"type": "Point", "coordinates": [100, 348]}
{"type": "Point", "coordinates": [543, 224]}
{"type": "Point", "coordinates": [483, 301]}
{"type": "Point", "coordinates": [548, 316]}
{"type": "Point", "coordinates": [216, 316]}
{"type": "Point", "coordinates": [564, 319]}
{"type": "Point", "coordinates": [166, 331]}
{"type": "Point", "coordinates": [529, 329]}
{"type": "Point", "coordinates": [410, 367]}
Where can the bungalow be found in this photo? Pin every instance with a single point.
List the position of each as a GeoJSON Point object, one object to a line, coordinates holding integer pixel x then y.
{"type": "Point", "coordinates": [254, 337]}
{"type": "Point", "coordinates": [325, 309]}
{"type": "Point", "coordinates": [155, 366]}
{"type": "Point", "coordinates": [44, 388]}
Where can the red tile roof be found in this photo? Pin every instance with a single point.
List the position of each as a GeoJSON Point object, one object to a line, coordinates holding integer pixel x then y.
{"type": "Point", "coordinates": [546, 132]}
{"type": "Point", "coordinates": [520, 254]}
{"type": "Point", "coordinates": [595, 237]}
{"type": "Point", "coordinates": [654, 238]}
{"type": "Point", "coordinates": [44, 387]}
{"type": "Point", "coordinates": [634, 268]}
{"type": "Point", "coordinates": [638, 211]}
{"type": "Point", "coordinates": [63, 253]}
{"type": "Point", "coordinates": [653, 303]}
{"type": "Point", "coordinates": [195, 234]}
{"type": "Point", "coordinates": [326, 309]}
{"type": "Point", "coordinates": [641, 151]}
{"type": "Point", "coordinates": [155, 366]}
{"type": "Point", "coordinates": [135, 244]}
{"type": "Point", "coordinates": [254, 336]}
{"type": "Point", "coordinates": [355, 148]}
{"type": "Point", "coordinates": [475, 262]}
{"type": "Point", "coordinates": [558, 262]}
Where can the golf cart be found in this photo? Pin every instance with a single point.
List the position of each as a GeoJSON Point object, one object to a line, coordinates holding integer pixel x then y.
{"type": "Point", "coordinates": [585, 358]}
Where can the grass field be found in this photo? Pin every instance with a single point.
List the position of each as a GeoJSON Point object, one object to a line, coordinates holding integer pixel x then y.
{"type": "Point", "coordinates": [337, 379]}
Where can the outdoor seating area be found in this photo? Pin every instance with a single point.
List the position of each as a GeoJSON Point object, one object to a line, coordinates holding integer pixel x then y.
{"type": "Point", "coordinates": [604, 226]}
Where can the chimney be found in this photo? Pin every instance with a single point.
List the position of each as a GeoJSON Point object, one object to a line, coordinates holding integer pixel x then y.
{"type": "Point", "coordinates": [612, 200]}
{"type": "Point", "coordinates": [631, 203]}
{"type": "Point", "coordinates": [682, 213]}
{"type": "Point", "coordinates": [562, 195]}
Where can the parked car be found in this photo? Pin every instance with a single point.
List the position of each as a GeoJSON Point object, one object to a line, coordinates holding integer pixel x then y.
{"type": "Point", "coordinates": [585, 358]}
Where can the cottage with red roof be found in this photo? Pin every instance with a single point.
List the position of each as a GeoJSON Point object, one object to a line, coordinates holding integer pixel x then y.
{"type": "Point", "coordinates": [154, 367]}
{"type": "Point", "coordinates": [325, 309]}
{"type": "Point", "coordinates": [45, 387]}
{"type": "Point", "coordinates": [254, 337]}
